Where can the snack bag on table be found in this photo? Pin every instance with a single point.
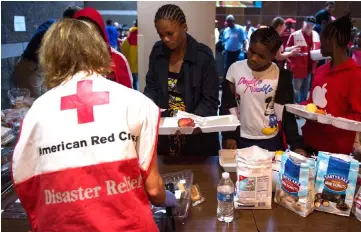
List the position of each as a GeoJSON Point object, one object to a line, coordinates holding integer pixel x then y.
{"type": "Point", "coordinates": [335, 183]}
{"type": "Point", "coordinates": [295, 184]}
{"type": "Point", "coordinates": [254, 179]}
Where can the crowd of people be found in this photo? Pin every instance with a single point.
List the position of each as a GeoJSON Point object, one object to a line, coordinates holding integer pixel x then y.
{"type": "Point", "coordinates": [296, 54]}
{"type": "Point", "coordinates": [90, 141]}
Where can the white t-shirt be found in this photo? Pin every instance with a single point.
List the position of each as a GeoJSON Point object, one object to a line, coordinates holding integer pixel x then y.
{"type": "Point", "coordinates": [255, 93]}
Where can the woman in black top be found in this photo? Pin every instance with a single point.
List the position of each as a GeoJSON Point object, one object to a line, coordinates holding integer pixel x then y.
{"type": "Point", "coordinates": [182, 76]}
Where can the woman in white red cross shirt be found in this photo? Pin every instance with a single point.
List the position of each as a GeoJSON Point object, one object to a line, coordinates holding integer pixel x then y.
{"type": "Point", "coordinates": [86, 156]}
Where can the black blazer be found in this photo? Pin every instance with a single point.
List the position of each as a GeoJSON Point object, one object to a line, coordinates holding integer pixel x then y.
{"type": "Point", "coordinates": [198, 84]}
{"type": "Point", "coordinates": [284, 95]}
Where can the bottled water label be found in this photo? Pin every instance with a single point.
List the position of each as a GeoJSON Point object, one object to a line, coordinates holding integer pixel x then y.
{"type": "Point", "coordinates": [225, 197]}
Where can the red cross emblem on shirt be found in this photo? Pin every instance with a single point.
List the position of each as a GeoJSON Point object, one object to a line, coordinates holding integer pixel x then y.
{"type": "Point", "coordinates": [84, 101]}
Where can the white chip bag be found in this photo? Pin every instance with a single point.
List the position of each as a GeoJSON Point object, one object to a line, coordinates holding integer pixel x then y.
{"type": "Point", "coordinates": [254, 179]}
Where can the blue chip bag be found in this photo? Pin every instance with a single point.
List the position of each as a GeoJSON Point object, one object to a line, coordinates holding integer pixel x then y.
{"type": "Point", "coordinates": [295, 184]}
{"type": "Point", "coordinates": [335, 183]}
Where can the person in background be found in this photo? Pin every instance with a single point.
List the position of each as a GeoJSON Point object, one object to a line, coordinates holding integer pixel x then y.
{"type": "Point", "coordinates": [256, 90]}
{"type": "Point", "coordinates": [356, 49]}
{"type": "Point", "coordinates": [249, 29]}
{"type": "Point", "coordinates": [117, 178]}
{"type": "Point", "coordinates": [278, 24]}
{"type": "Point", "coordinates": [354, 36]}
{"type": "Point", "coordinates": [354, 25]}
{"type": "Point", "coordinates": [220, 55]}
{"type": "Point", "coordinates": [27, 73]}
{"type": "Point", "coordinates": [336, 88]}
{"type": "Point", "coordinates": [112, 34]}
{"type": "Point", "coordinates": [302, 65]}
{"type": "Point", "coordinates": [216, 31]}
{"type": "Point", "coordinates": [130, 51]}
{"type": "Point", "coordinates": [120, 68]}
{"type": "Point", "coordinates": [116, 25]}
{"type": "Point", "coordinates": [182, 76]}
{"type": "Point", "coordinates": [323, 17]}
{"type": "Point", "coordinates": [290, 28]}
{"type": "Point", "coordinates": [234, 39]}
{"type": "Point", "coordinates": [220, 44]}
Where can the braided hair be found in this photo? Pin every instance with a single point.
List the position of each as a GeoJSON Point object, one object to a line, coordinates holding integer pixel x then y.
{"type": "Point", "coordinates": [170, 12]}
{"type": "Point", "coordinates": [269, 37]}
{"type": "Point", "coordinates": [340, 30]}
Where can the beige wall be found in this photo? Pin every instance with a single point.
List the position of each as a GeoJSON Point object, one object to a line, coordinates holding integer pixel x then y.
{"type": "Point", "coordinates": [200, 19]}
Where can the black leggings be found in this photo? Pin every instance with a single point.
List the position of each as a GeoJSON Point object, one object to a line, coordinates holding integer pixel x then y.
{"type": "Point", "coordinates": [272, 144]}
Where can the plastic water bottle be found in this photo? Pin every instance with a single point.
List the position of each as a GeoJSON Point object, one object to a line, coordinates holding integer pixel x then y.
{"type": "Point", "coordinates": [225, 193]}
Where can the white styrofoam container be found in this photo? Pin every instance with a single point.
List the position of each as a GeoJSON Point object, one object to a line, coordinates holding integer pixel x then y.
{"type": "Point", "coordinates": [169, 125]}
{"type": "Point", "coordinates": [338, 122]}
{"type": "Point", "coordinates": [325, 119]}
{"type": "Point", "coordinates": [300, 110]}
{"type": "Point", "coordinates": [346, 124]}
{"type": "Point", "coordinates": [227, 159]}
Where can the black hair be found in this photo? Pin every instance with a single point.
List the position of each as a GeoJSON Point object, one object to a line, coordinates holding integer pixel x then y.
{"type": "Point", "coordinates": [269, 37]}
{"type": "Point", "coordinates": [329, 3]}
{"type": "Point", "coordinates": [70, 11]}
{"type": "Point", "coordinates": [136, 23]}
{"type": "Point", "coordinates": [310, 19]}
{"type": "Point", "coordinates": [340, 30]}
{"type": "Point", "coordinates": [109, 22]}
{"type": "Point", "coordinates": [277, 22]}
{"type": "Point", "coordinates": [170, 12]}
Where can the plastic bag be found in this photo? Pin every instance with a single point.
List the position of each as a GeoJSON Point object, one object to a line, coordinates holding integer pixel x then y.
{"type": "Point", "coordinates": [19, 97]}
{"type": "Point", "coordinates": [295, 184]}
{"type": "Point", "coordinates": [196, 195]}
{"type": "Point", "coordinates": [197, 119]}
{"type": "Point", "coordinates": [335, 183]}
{"type": "Point", "coordinates": [254, 179]}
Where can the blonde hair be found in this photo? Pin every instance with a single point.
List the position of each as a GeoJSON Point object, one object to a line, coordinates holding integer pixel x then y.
{"type": "Point", "coordinates": [71, 46]}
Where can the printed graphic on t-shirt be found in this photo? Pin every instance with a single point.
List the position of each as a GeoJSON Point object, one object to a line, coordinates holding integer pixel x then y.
{"type": "Point", "coordinates": [176, 101]}
{"type": "Point", "coordinates": [319, 96]}
{"type": "Point", "coordinates": [254, 94]}
{"type": "Point", "coordinates": [258, 86]}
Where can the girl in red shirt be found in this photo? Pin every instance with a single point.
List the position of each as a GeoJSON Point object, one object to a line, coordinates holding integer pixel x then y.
{"type": "Point", "coordinates": [336, 89]}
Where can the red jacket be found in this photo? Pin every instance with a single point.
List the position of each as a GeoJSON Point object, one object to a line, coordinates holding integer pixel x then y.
{"type": "Point", "coordinates": [299, 65]}
{"type": "Point", "coordinates": [121, 70]}
{"type": "Point", "coordinates": [338, 91]}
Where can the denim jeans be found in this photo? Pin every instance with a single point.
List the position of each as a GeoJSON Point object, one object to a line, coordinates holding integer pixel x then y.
{"type": "Point", "coordinates": [301, 86]}
{"type": "Point", "coordinates": [135, 81]}
{"type": "Point", "coordinates": [229, 59]}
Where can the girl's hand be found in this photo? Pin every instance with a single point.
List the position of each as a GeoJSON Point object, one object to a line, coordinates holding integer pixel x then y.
{"type": "Point", "coordinates": [295, 51]}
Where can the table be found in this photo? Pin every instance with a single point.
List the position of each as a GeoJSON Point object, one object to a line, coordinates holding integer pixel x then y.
{"type": "Point", "coordinates": [281, 219]}
{"type": "Point", "coordinates": [207, 174]}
